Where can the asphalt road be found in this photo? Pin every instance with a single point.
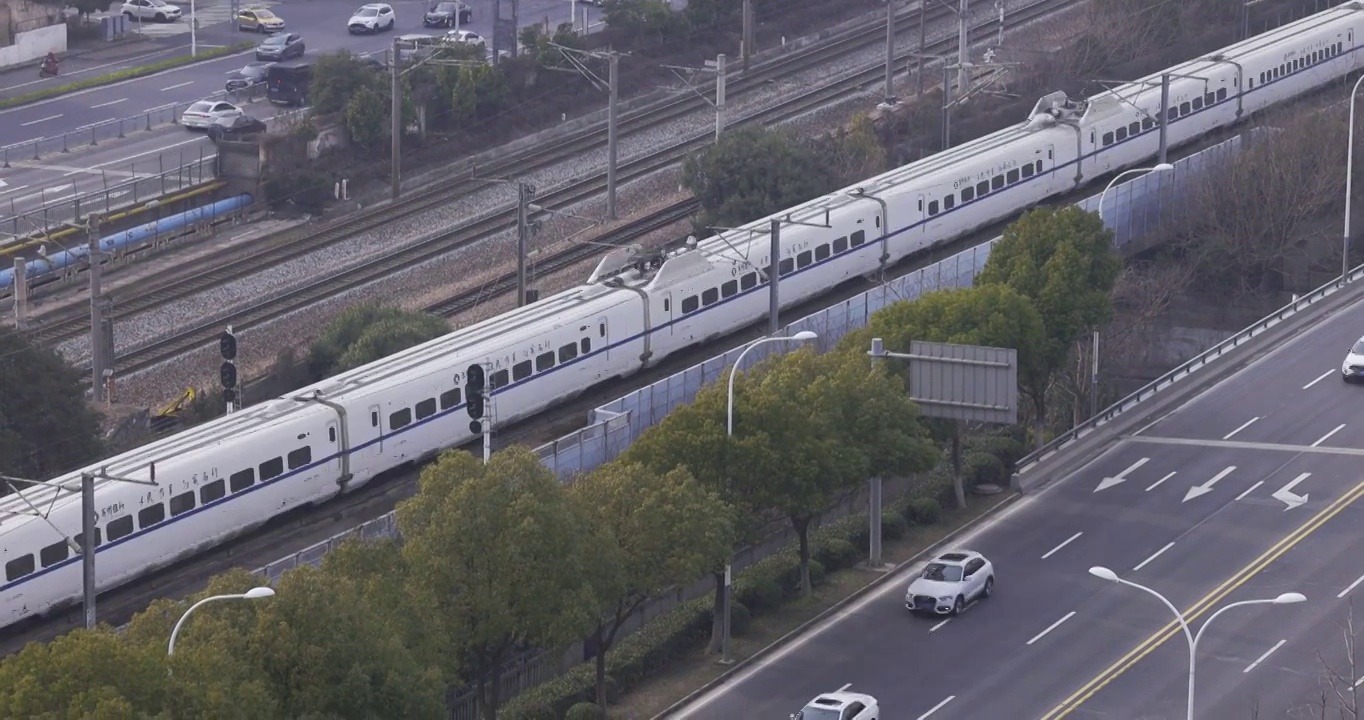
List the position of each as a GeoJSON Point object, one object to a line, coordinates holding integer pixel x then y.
{"type": "Point", "coordinates": [1035, 649]}
{"type": "Point", "coordinates": [322, 24]}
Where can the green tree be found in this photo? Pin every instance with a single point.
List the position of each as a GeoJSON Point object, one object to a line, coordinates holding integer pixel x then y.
{"type": "Point", "coordinates": [755, 171]}
{"type": "Point", "coordinates": [366, 113]}
{"type": "Point", "coordinates": [638, 18]}
{"type": "Point", "coordinates": [714, 14]}
{"type": "Point", "coordinates": [507, 556]}
{"type": "Point", "coordinates": [656, 532]}
{"type": "Point", "coordinates": [337, 77]}
{"type": "Point", "coordinates": [365, 333]}
{"type": "Point", "coordinates": [46, 424]}
{"type": "Point", "coordinates": [1062, 261]}
{"type": "Point", "coordinates": [83, 674]}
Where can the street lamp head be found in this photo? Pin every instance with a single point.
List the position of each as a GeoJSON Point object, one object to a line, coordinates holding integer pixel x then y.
{"type": "Point", "coordinates": [804, 335]}
{"type": "Point", "coordinates": [1290, 599]}
{"type": "Point", "coordinates": [1103, 573]}
{"type": "Point", "coordinates": [1163, 167]}
{"type": "Point", "coordinates": [259, 593]}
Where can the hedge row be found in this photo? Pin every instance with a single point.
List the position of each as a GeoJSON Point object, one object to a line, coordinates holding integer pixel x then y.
{"type": "Point", "coordinates": [760, 588]}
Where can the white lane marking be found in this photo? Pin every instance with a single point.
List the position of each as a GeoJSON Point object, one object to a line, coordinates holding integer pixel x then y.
{"type": "Point", "coordinates": [1205, 488]}
{"type": "Point", "coordinates": [1239, 429]}
{"type": "Point", "coordinates": [1109, 482]}
{"type": "Point", "coordinates": [107, 104]}
{"type": "Point", "coordinates": [1261, 659]}
{"type": "Point", "coordinates": [177, 85]}
{"type": "Point", "coordinates": [938, 707]}
{"type": "Point", "coordinates": [16, 188]}
{"type": "Point", "coordinates": [845, 687]}
{"type": "Point", "coordinates": [1157, 483]}
{"type": "Point", "coordinates": [1359, 682]}
{"type": "Point", "coordinates": [48, 194]}
{"type": "Point", "coordinates": [1066, 542]}
{"type": "Point", "coordinates": [1051, 627]}
{"type": "Point", "coordinates": [1157, 554]}
{"type": "Point", "coordinates": [1325, 375]}
{"type": "Point", "coordinates": [1328, 435]}
{"type": "Point", "coordinates": [37, 122]}
{"type": "Point", "coordinates": [1250, 490]}
{"type": "Point", "coordinates": [935, 627]}
{"type": "Point", "coordinates": [1353, 585]}
{"type": "Point", "coordinates": [96, 68]}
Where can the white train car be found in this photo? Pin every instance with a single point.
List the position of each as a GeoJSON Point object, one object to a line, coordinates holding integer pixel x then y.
{"type": "Point", "coordinates": [230, 475]}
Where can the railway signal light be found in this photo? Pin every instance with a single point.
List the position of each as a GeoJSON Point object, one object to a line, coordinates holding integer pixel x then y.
{"type": "Point", "coordinates": [229, 396]}
{"type": "Point", "coordinates": [227, 344]}
{"type": "Point", "coordinates": [474, 389]}
{"type": "Point", "coordinates": [228, 374]}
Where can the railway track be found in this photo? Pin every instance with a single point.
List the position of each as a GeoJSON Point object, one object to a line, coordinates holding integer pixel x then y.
{"type": "Point", "coordinates": [245, 260]}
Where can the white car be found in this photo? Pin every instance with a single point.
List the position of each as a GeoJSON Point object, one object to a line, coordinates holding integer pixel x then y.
{"type": "Point", "coordinates": [157, 10]}
{"type": "Point", "coordinates": [1353, 368]}
{"type": "Point", "coordinates": [204, 113]}
{"type": "Point", "coordinates": [371, 18]}
{"type": "Point", "coordinates": [465, 37]}
{"type": "Point", "coordinates": [951, 582]}
{"type": "Point", "coordinates": [840, 705]}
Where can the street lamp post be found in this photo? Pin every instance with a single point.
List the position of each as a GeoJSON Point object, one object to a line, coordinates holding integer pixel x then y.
{"type": "Point", "coordinates": [1094, 361]}
{"type": "Point", "coordinates": [1291, 598]}
{"type": "Point", "coordinates": [1349, 177]}
{"type": "Point", "coordinates": [259, 593]}
{"type": "Point", "coordinates": [729, 433]}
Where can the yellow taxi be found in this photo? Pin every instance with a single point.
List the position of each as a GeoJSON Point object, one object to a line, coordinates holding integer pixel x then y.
{"type": "Point", "coordinates": [259, 20]}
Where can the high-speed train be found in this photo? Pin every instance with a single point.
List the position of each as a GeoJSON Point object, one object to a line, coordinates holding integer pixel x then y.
{"type": "Point", "coordinates": [203, 486]}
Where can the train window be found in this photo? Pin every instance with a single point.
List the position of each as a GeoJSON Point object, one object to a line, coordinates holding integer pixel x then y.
{"type": "Point", "coordinates": [822, 252]}
{"type": "Point", "coordinates": [1251, 83]}
{"type": "Point", "coordinates": [949, 202]}
{"type": "Point", "coordinates": [709, 296]}
{"type": "Point", "coordinates": [499, 380]}
{"type": "Point", "coordinates": [729, 289]}
{"type": "Point", "coordinates": [450, 398]}
{"type": "Point", "coordinates": [182, 503]}
{"type": "Point", "coordinates": [1185, 109]}
{"type": "Point", "coordinates": [968, 194]}
{"type": "Point", "coordinates": [585, 345]}
{"type": "Point", "coordinates": [602, 327]}
{"type": "Point", "coordinates": [996, 182]}
{"type": "Point", "coordinates": [1262, 78]}
{"type": "Point", "coordinates": [212, 491]}
{"type": "Point", "coordinates": [274, 467]}
{"type": "Point", "coordinates": [749, 280]}
{"type": "Point", "coordinates": [921, 204]}
{"type": "Point", "coordinates": [79, 538]}
{"type": "Point", "coordinates": [331, 434]}
{"type": "Point", "coordinates": [667, 305]}
{"type": "Point", "coordinates": [1012, 176]}
{"type": "Point", "coordinates": [425, 409]}
{"type": "Point", "coordinates": [1147, 123]}
{"type": "Point", "coordinates": [120, 528]}
{"type": "Point", "coordinates": [237, 483]}
{"type": "Point", "coordinates": [785, 267]}
{"type": "Point", "coordinates": [804, 259]}
{"type": "Point", "coordinates": [54, 553]}
{"type": "Point", "coordinates": [374, 418]}
{"type": "Point", "coordinates": [1133, 128]}
{"type": "Point", "coordinates": [151, 515]}
{"type": "Point", "coordinates": [570, 351]}
{"type": "Point", "coordinates": [545, 361]}
{"type": "Point", "coordinates": [1108, 139]}
{"type": "Point", "coordinates": [18, 567]}
{"type": "Point", "coordinates": [520, 371]}
{"type": "Point", "coordinates": [982, 188]}
{"type": "Point", "coordinates": [689, 304]}
{"type": "Point", "coordinates": [858, 237]}
{"type": "Point", "coordinates": [1172, 114]}
{"type": "Point", "coordinates": [1221, 94]}
{"type": "Point", "coordinates": [1209, 98]}
{"type": "Point", "coordinates": [932, 208]}
{"type": "Point", "coordinates": [1121, 134]}
{"type": "Point", "coordinates": [1198, 103]}
{"type": "Point", "coordinates": [396, 420]}
{"type": "Point", "coordinates": [1027, 170]}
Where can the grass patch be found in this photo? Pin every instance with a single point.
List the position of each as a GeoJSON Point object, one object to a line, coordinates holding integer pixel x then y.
{"type": "Point", "coordinates": [699, 667]}
{"type": "Point", "coordinates": [125, 74]}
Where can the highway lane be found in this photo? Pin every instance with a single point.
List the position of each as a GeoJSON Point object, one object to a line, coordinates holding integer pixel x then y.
{"type": "Point", "coordinates": [1142, 527]}
{"type": "Point", "coordinates": [322, 24]}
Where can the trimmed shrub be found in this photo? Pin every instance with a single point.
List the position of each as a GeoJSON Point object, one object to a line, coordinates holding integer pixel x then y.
{"type": "Point", "coordinates": [926, 510]}
{"type": "Point", "coordinates": [1008, 450]}
{"type": "Point", "coordinates": [739, 618]}
{"type": "Point", "coordinates": [585, 711]}
{"type": "Point", "coordinates": [817, 574]}
{"type": "Point", "coordinates": [893, 525]}
{"type": "Point", "coordinates": [645, 652]}
{"type": "Point", "coordinates": [835, 554]}
{"type": "Point", "coordinates": [981, 467]}
{"type": "Point", "coordinates": [761, 593]}
{"type": "Point", "coordinates": [551, 700]}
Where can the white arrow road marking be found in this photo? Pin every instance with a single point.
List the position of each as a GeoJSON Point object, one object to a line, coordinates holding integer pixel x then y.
{"type": "Point", "coordinates": [1287, 495]}
{"type": "Point", "coordinates": [1239, 429]}
{"type": "Point", "coordinates": [1205, 488]}
{"type": "Point", "coordinates": [1109, 482]}
{"type": "Point", "coordinates": [3, 183]}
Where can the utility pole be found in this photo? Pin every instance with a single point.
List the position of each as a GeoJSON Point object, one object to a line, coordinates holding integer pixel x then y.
{"type": "Point", "coordinates": [396, 111]}
{"type": "Point", "coordinates": [719, 96]}
{"type": "Point", "coordinates": [890, 53]}
{"type": "Point", "coordinates": [1164, 115]}
{"type": "Point", "coordinates": [575, 58]}
{"type": "Point", "coordinates": [524, 192]}
{"type": "Point", "coordinates": [774, 279]}
{"type": "Point", "coordinates": [98, 362]}
{"type": "Point", "coordinates": [923, 13]}
{"type": "Point", "coordinates": [746, 43]}
{"type": "Point", "coordinates": [963, 50]}
{"type": "Point", "coordinates": [946, 107]}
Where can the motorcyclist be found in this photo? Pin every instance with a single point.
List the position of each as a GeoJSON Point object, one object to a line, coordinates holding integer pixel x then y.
{"type": "Point", "coordinates": [50, 63]}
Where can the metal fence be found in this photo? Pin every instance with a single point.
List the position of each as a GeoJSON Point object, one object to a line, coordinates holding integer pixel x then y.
{"type": "Point", "coordinates": [147, 180]}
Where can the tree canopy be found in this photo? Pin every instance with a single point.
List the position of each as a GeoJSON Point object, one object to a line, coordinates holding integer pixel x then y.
{"type": "Point", "coordinates": [46, 424]}
{"type": "Point", "coordinates": [755, 171]}
{"type": "Point", "coordinates": [366, 333]}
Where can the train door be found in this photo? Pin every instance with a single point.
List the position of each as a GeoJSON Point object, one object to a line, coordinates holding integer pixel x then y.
{"type": "Point", "coordinates": [603, 339]}
{"type": "Point", "coordinates": [334, 444]}
{"type": "Point", "coordinates": [669, 313]}
{"type": "Point", "coordinates": [377, 427]}
{"type": "Point", "coordinates": [1049, 162]}
{"type": "Point", "coordinates": [923, 214]}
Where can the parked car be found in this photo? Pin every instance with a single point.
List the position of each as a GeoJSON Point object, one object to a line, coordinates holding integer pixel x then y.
{"type": "Point", "coordinates": [465, 37]}
{"type": "Point", "coordinates": [234, 127]}
{"type": "Point", "coordinates": [371, 19]}
{"type": "Point", "coordinates": [950, 582]}
{"type": "Point", "coordinates": [281, 46]}
{"type": "Point", "coordinates": [205, 112]}
{"type": "Point", "coordinates": [156, 10]}
{"type": "Point", "coordinates": [259, 20]}
{"type": "Point", "coordinates": [253, 73]}
{"type": "Point", "coordinates": [448, 14]}
{"type": "Point", "coordinates": [287, 83]}
{"type": "Point", "coordinates": [840, 705]}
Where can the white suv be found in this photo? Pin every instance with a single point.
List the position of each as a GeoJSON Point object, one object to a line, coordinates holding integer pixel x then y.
{"type": "Point", "coordinates": [950, 582]}
{"type": "Point", "coordinates": [1353, 368]}
{"type": "Point", "coordinates": [371, 19]}
{"type": "Point", "coordinates": [157, 10]}
{"type": "Point", "coordinates": [840, 705]}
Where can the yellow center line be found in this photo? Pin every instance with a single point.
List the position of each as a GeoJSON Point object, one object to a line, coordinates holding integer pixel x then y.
{"type": "Point", "coordinates": [1125, 663]}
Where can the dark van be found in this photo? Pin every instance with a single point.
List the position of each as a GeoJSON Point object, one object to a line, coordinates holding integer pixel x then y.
{"type": "Point", "coordinates": [287, 83]}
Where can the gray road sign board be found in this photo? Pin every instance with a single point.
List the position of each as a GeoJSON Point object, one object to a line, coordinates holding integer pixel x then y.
{"type": "Point", "coordinates": [964, 382]}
